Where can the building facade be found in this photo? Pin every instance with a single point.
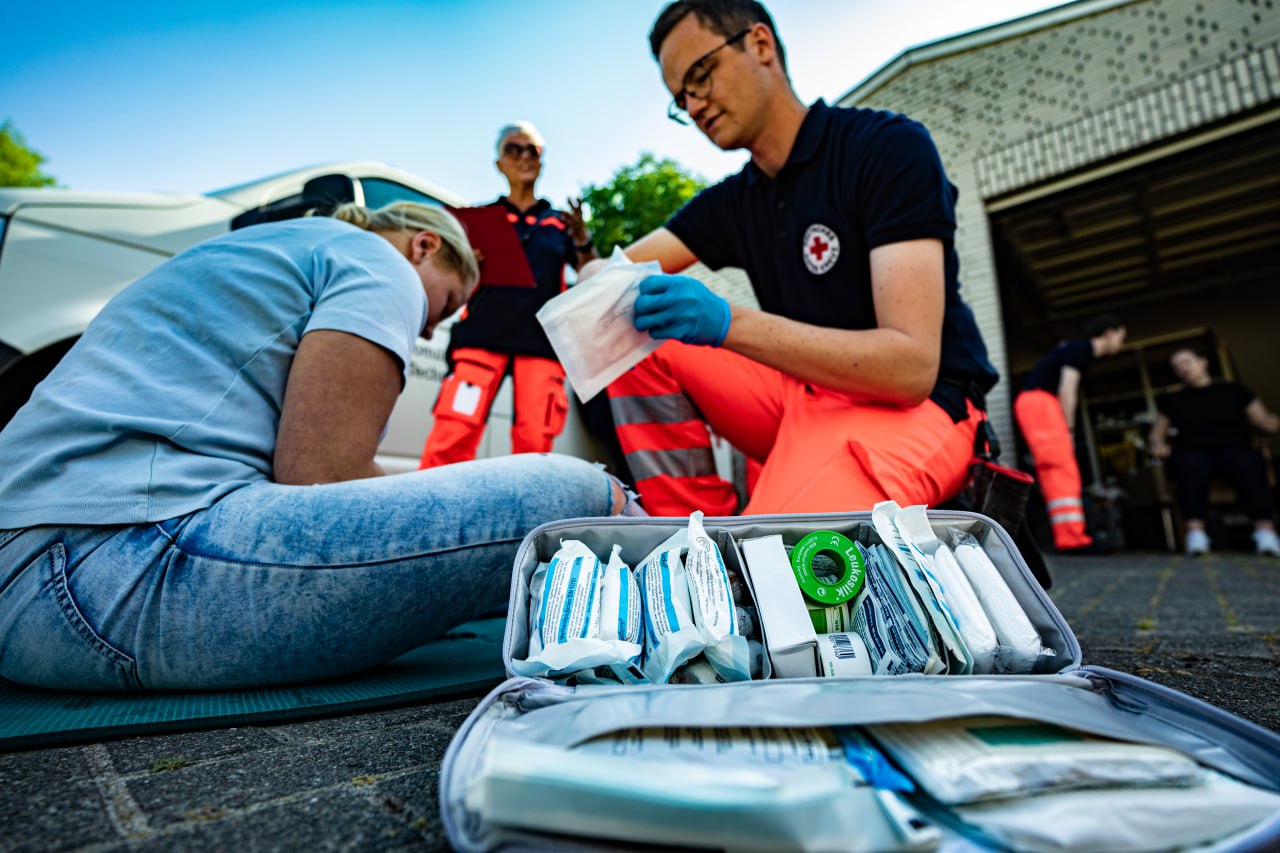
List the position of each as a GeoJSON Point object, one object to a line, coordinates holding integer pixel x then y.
{"type": "Point", "coordinates": [1111, 155]}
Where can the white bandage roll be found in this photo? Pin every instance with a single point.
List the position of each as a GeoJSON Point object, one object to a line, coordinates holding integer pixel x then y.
{"type": "Point", "coordinates": [842, 655]}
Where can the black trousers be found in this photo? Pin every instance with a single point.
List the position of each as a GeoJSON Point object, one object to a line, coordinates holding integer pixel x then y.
{"type": "Point", "coordinates": [1243, 467]}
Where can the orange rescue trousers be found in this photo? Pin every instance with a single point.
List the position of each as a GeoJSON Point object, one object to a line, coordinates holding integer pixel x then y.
{"type": "Point", "coordinates": [821, 450]}
{"type": "Point", "coordinates": [467, 393]}
{"type": "Point", "coordinates": [1044, 427]}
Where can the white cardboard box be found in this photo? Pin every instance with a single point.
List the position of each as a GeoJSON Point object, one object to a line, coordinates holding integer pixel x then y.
{"type": "Point", "coordinates": [788, 631]}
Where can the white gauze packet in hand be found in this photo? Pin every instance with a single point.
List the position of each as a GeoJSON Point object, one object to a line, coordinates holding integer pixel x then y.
{"type": "Point", "coordinates": [591, 325]}
{"type": "Point", "coordinates": [564, 617]}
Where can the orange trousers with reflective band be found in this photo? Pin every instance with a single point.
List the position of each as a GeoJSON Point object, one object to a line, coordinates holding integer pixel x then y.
{"type": "Point", "coordinates": [821, 451]}
{"type": "Point", "coordinates": [466, 396]}
{"type": "Point", "coordinates": [1039, 416]}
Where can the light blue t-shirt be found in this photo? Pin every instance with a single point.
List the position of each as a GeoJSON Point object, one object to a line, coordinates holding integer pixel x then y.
{"type": "Point", "coordinates": [171, 399]}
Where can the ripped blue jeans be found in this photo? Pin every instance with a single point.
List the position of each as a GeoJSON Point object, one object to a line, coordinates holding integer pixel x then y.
{"type": "Point", "coordinates": [276, 584]}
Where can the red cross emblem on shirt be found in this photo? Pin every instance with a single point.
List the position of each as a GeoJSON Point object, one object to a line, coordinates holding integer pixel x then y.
{"type": "Point", "coordinates": [821, 248]}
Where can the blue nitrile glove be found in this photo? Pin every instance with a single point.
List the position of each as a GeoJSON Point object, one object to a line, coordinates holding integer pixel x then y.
{"type": "Point", "coordinates": [680, 307]}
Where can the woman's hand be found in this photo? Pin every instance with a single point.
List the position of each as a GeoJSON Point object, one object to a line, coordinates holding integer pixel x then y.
{"type": "Point", "coordinates": [577, 226]}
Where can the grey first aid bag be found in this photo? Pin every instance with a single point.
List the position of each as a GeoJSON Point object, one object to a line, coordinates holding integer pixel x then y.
{"type": "Point", "coordinates": [1062, 757]}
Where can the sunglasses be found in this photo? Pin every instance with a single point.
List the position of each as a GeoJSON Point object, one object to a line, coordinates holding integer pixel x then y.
{"type": "Point", "coordinates": [515, 150]}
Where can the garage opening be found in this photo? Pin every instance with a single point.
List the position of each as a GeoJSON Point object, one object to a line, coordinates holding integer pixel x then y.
{"type": "Point", "coordinates": [1184, 247]}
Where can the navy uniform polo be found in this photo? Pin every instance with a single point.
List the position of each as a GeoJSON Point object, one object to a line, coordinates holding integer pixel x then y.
{"type": "Point", "coordinates": [501, 319]}
{"type": "Point", "coordinates": [1047, 374]}
{"type": "Point", "coordinates": [855, 179]}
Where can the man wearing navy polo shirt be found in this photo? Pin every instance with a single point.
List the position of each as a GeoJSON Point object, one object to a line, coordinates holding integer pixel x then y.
{"type": "Point", "coordinates": [857, 379]}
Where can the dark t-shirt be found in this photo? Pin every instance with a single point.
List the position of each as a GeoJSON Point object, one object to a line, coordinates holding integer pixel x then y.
{"type": "Point", "coordinates": [501, 319]}
{"type": "Point", "coordinates": [1209, 418]}
{"type": "Point", "coordinates": [855, 179]}
{"type": "Point", "coordinates": [1047, 373]}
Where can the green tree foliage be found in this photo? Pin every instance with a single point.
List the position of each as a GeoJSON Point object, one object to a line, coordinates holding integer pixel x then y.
{"type": "Point", "coordinates": [19, 165]}
{"type": "Point", "coordinates": [636, 200]}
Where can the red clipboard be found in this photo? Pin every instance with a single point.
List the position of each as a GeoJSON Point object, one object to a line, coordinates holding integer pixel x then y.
{"type": "Point", "coordinates": [490, 231]}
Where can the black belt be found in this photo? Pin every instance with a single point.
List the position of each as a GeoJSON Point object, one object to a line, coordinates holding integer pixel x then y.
{"type": "Point", "coordinates": [986, 444]}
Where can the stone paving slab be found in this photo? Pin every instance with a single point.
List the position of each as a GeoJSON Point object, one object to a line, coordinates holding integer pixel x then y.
{"type": "Point", "coordinates": [368, 782]}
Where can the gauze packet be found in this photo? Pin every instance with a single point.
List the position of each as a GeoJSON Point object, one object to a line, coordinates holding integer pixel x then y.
{"type": "Point", "coordinates": [670, 636]}
{"type": "Point", "coordinates": [565, 618]}
{"type": "Point", "coordinates": [1019, 643]}
{"type": "Point", "coordinates": [591, 325]}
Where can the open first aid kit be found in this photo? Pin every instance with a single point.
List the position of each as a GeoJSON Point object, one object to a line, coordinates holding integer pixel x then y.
{"type": "Point", "coordinates": [883, 681]}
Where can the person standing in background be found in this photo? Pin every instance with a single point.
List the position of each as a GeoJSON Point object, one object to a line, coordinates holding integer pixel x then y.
{"type": "Point", "coordinates": [1214, 420]}
{"type": "Point", "coordinates": [499, 332]}
{"type": "Point", "coordinates": [1046, 415]}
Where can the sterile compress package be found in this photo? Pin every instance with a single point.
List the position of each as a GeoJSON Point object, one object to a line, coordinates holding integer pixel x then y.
{"type": "Point", "coordinates": [985, 758]}
{"type": "Point", "coordinates": [1039, 787]}
{"type": "Point", "coordinates": [1138, 820]}
{"type": "Point", "coordinates": [743, 790]}
{"type": "Point", "coordinates": [958, 659]}
{"type": "Point", "coordinates": [565, 617]}
{"type": "Point", "coordinates": [980, 623]}
{"type": "Point", "coordinates": [1019, 643]}
{"type": "Point", "coordinates": [711, 599]}
{"type": "Point", "coordinates": [979, 637]}
{"type": "Point", "coordinates": [590, 325]}
{"type": "Point", "coordinates": [674, 618]}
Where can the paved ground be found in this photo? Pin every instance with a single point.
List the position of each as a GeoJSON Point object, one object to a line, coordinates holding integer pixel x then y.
{"type": "Point", "coordinates": [1209, 627]}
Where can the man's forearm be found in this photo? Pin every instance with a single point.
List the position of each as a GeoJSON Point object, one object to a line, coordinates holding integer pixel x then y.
{"type": "Point", "coordinates": [1068, 403]}
{"type": "Point", "coordinates": [880, 364]}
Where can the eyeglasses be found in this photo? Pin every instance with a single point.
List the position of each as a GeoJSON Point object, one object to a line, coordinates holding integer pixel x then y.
{"type": "Point", "coordinates": [697, 82]}
{"type": "Point", "coordinates": [514, 150]}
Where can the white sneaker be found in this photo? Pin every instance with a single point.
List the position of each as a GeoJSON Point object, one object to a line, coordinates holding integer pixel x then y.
{"type": "Point", "coordinates": [1267, 542]}
{"type": "Point", "coordinates": [1197, 543]}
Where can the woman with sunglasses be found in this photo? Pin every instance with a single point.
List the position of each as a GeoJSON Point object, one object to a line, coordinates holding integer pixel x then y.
{"type": "Point", "coordinates": [499, 334]}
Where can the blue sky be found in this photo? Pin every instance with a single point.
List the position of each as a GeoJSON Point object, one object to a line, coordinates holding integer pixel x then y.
{"type": "Point", "coordinates": [194, 96]}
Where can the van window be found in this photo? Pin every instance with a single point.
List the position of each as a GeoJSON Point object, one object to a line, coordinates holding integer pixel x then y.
{"type": "Point", "coordinates": [379, 192]}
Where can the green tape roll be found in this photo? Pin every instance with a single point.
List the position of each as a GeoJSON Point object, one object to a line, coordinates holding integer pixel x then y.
{"type": "Point", "coordinates": [852, 570]}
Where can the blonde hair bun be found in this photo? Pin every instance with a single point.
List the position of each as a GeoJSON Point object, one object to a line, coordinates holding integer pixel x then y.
{"type": "Point", "coordinates": [412, 217]}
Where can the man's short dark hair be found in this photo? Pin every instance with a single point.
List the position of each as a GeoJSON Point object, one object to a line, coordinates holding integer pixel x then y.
{"type": "Point", "coordinates": [1102, 324]}
{"type": "Point", "coordinates": [726, 18]}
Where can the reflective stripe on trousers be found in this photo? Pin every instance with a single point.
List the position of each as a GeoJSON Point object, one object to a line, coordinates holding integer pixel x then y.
{"type": "Point", "coordinates": [821, 451]}
{"type": "Point", "coordinates": [660, 418]}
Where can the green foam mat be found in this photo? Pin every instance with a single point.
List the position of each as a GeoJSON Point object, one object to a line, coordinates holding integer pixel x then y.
{"type": "Point", "coordinates": [467, 659]}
